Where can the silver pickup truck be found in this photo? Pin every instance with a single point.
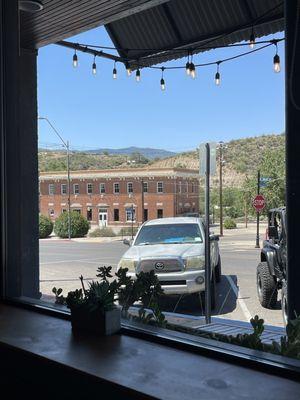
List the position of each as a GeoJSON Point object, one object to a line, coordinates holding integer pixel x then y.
{"type": "Point", "coordinates": [174, 249]}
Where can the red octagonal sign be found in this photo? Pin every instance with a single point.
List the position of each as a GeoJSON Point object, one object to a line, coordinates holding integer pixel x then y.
{"type": "Point", "coordinates": [259, 203]}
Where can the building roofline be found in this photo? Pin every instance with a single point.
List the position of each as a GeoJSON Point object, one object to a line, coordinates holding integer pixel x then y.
{"type": "Point", "coordinates": [130, 171]}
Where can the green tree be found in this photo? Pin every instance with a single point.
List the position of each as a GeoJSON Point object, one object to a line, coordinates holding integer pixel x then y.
{"type": "Point", "coordinates": [79, 225]}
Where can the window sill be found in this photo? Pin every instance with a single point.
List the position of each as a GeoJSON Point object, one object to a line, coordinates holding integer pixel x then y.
{"type": "Point", "coordinates": [154, 367]}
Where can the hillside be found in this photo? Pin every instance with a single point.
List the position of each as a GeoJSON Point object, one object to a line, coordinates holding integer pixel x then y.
{"type": "Point", "coordinates": [241, 158]}
{"type": "Point", "coordinates": [147, 152]}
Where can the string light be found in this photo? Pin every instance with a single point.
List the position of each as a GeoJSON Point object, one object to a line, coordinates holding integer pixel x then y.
{"type": "Point", "coordinates": [94, 67]}
{"type": "Point", "coordinates": [218, 76]}
{"type": "Point", "coordinates": [115, 71]}
{"type": "Point", "coordinates": [192, 70]}
{"type": "Point", "coordinates": [252, 39]}
{"type": "Point", "coordinates": [138, 75]}
{"type": "Point", "coordinates": [75, 60]}
{"type": "Point", "coordinates": [128, 69]}
{"type": "Point", "coordinates": [187, 65]}
{"type": "Point", "coordinates": [162, 81]}
{"type": "Point", "coordinates": [276, 60]}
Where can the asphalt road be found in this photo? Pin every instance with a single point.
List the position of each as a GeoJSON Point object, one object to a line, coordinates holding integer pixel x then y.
{"type": "Point", "coordinates": [62, 262]}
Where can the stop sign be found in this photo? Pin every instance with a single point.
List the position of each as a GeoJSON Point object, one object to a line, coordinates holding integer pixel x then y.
{"type": "Point", "coordinates": [259, 203]}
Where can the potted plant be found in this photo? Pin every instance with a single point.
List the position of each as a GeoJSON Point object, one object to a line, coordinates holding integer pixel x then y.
{"type": "Point", "coordinates": [93, 309]}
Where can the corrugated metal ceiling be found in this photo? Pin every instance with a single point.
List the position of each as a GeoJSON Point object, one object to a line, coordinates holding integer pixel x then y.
{"type": "Point", "coordinates": [184, 24]}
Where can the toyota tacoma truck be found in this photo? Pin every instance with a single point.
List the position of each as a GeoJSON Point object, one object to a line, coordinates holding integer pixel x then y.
{"type": "Point", "coordinates": [174, 249]}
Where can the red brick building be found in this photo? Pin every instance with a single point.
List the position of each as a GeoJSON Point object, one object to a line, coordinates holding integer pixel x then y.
{"type": "Point", "coordinates": [115, 197]}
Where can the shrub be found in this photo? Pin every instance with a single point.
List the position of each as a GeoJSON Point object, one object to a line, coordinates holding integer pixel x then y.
{"type": "Point", "coordinates": [79, 225]}
{"type": "Point", "coordinates": [102, 232]}
{"type": "Point", "coordinates": [229, 223]}
{"type": "Point", "coordinates": [45, 226]}
{"type": "Point", "coordinates": [127, 231]}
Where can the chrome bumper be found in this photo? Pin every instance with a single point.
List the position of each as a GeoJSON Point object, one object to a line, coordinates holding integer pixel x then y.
{"type": "Point", "coordinates": [180, 282]}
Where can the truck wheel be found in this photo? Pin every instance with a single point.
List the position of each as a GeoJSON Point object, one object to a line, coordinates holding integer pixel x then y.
{"type": "Point", "coordinates": [284, 303]}
{"type": "Point", "coordinates": [218, 271]}
{"type": "Point", "coordinates": [266, 286]}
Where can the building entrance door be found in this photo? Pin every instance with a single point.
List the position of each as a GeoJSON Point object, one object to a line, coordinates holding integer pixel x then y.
{"type": "Point", "coordinates": [102, 217]}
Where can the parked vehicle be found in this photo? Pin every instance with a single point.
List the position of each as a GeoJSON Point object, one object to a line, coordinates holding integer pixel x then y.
{"type": "Point", "coordinates": [174, 249]}
{"type": "Point", "coordinates": [271, 271]}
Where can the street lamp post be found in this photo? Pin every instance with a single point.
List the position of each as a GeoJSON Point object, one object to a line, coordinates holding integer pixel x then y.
{"type": "Point", "coordinates": [221, 185]}
{"type": "Point", "coordinates": [67, 147]}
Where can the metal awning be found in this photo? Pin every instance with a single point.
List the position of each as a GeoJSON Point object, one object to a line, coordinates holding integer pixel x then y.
{"type": "Point", "coordinates": [188, 24]}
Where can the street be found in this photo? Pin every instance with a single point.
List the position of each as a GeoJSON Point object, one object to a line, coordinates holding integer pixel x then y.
{"type": "Point", "coordinates": [62, 262]}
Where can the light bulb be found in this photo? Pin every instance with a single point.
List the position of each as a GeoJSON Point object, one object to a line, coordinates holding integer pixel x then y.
{"type": "Point", "coordinates": [217, 79]}
{"type": "Point", "coordinates": [252, 41]}
{"type": "Point", "coordinates": [276, 63]}
{"type": "Point", "coordinates": [75, 60]}
{"type": "Point", "coordinates": [94, 68]}
{"type": "Point", "coordinates": [192, 70]}
{"type": "Point", "coordinates": [162, 84]}
{"type": "Point", "coordinates": [115, 73]}
{"type": "Point", "coordinates": [187, 68]}
{"type": "Point", "coordinates": [128, 69]}
{"type": "Point", "coordinates": [138, 75]}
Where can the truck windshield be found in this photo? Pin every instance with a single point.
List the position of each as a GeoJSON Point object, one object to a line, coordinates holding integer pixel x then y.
{"type": "Point", "coordinates": [169, 234]}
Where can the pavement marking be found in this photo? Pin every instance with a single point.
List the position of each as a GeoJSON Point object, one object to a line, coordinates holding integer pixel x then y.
{"type": "Point", "coordinates": [241, 302]}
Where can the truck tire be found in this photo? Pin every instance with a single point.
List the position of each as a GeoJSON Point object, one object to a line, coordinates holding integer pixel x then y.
{"type": "Point", "coordinates": [218, 271]}
{"type": "Point", "coordinates": [284, 303]}
{"type": "Point", "coordinates": [266, 286]}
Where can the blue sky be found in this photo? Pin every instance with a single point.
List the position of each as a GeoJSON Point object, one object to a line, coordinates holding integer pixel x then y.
{"type": "Point", "coordinates": [97, 111]}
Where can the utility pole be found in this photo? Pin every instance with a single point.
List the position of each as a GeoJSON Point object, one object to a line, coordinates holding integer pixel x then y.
{"type": "Point", "coordinates": [66, 145]}
{"type": "Point", "coordinates": [257, 213]}
{"type": "Point", "coordinates": [142, 200]}
{"type": "Point", "coordinates": [221, 186]}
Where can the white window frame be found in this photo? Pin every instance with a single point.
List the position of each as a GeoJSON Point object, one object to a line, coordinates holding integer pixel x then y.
{"type": "Point", "coordinates": [116, 183]}
{"type": "Point", "coordinates": [128, 185]}
{"type": "Point", "coordinates": [145, 185]}
{"type": "Point", "coordinates": [87, 188]}
{"type": "Point", "coordinates": [63, 185]}
{"type": "Point", "coordinates": [129, 211]}
{"type": "Point", "coordinates": [52, 186]}
{"type": "Point", "coordinates": [75, 185]}
{"type": "Point", "coordinates": [102, 189]}
{"type": "Point", "coordinates": [162, 187]}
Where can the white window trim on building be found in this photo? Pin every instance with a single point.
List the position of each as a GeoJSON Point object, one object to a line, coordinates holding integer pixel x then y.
{"type": "Point", "coordinates": [89, 185]}
{"type": "Point", "coordinates": [76, 185]}
{"type": "Point", "coordinates": [130, 185]}
{"type": "Point", "coordinates": [51, 189]}
{"type": "Point", "coordinates": [63, 188]}
{"type": "Point", "coordinates": [102, 188]}
{"type": "Point", "coordinates": [145, 186]}
{"type": "Point", "coordinates": [160, 187]}
{"type": "Point", "coordinates": [116, 183]}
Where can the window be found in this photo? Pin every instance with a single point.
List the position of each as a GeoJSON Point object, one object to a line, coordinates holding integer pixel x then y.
{"type": "Point", "coordinates": [76, 188]}
{"type": "Point", "coordinates": [129, 187]}
{"type": "Point", "coordinates": [102, 188]}
{"type": "Point", "coordinates": [193, 188]}
{"type": "Point", "coordinates": [63, 210]}
{"type": "Point", "coordinates": [145, 214]}
{"type": "Point", "coordinates": [63, 188]}
{"type": "Point", "coordinates": [116, 214]}
{"type": "Point", "coordinates": [169, 234]}
{"type": "Point", "coordinates": [160, 187]}
{"type": "Point", "coordinates": [89, 214]}
{"type": "Point", "coordinates": [130, 214]}
{"type": "Point", "coordinates": [179, 187]}
{"type": "Point", "coordinates": [51, 212]}
{"type": "Point", "coordinates": [51, 188]}
{"type": "Point", "coordinates": [116, 187]}
{"type": "Point", "coordinates": [78, 210]}
{"type": "Point", "coordinates": [160, 213]}
{"type": "Point", "coordinates": [145, 187]}
{"type": "Point", "coordinates": [89, 188]}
